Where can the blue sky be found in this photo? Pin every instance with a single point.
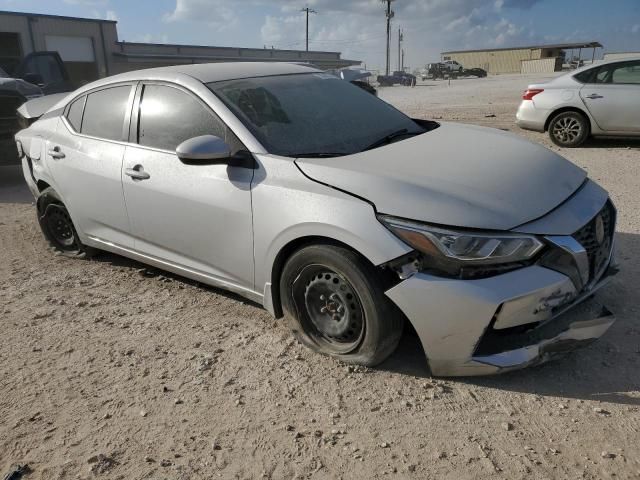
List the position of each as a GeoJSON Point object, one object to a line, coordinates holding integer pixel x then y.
{"type": "Point", "coordinates": [357, 27]}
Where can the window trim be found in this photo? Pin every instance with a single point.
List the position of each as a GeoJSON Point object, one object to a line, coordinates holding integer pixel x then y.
{"type": "Point", "coordinates": [127, 115]}
{"type": "Point", "coordinates": [134, 128]}
{"type": "Point", "coordinates": [621, 65]}
{"type": "Point", "coordinates": [594, 72]}
{"type": "Point", "coordinates": [67, 110]}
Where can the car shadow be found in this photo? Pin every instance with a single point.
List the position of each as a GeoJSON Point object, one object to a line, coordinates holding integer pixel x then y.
{"type": "Point", "coordinates": [611, 142]}
{"type": "Point", "coordinates": [607, 370]}
{"type": "Point", "coordinates": [148, 272]}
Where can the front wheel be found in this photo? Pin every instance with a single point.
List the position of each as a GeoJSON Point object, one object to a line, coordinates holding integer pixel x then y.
{"type": "Point", "coordinates": [569, 129]}
{"type": "Point", "coordinates": [334, 302]}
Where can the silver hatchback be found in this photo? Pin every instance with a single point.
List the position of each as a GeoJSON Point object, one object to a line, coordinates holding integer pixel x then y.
{"type": "Point", "coordinates": [332, 209]}
{"type": "Point", "coordinates": [598, 100]}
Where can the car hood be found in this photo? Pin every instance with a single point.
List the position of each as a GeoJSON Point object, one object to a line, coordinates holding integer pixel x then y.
{"type": "Point", "coordinates": [456, 175]}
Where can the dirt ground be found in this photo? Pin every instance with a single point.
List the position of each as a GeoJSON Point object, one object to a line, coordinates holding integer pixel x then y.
{"type": "Point", "coordinates": [112, 370]}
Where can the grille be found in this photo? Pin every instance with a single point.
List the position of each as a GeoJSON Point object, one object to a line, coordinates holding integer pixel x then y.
{"type": "Point", "coordinates": [597, 252]}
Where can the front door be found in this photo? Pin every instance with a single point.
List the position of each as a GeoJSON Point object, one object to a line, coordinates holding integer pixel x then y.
{"type": "Point", "coordinates": [614, 97]}
{"type": "Point", "coordinates": [197, 217]}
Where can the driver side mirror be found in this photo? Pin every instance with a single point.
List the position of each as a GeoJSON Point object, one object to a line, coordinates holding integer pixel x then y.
{"type": "Point", "coordinates": [204, 150]}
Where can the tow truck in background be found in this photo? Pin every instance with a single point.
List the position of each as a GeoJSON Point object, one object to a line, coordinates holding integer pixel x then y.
{"type": "Point", "coordinates": [397, 78]}
{"type": "Point", "coordinates": [445, 71]}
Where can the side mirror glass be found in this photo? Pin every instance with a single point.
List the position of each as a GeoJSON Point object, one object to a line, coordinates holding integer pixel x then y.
{"type": "Point", "coordinates": [207, 149]}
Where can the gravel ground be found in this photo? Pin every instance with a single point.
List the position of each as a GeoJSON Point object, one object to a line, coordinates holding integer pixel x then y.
{"type": "Point", "coordinates": [109, 369]}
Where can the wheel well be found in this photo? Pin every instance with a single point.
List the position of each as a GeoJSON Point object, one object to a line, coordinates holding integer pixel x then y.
{"type": "Point", "coordinates": [42, 186]}
{"type": "Point", "coordinates": [285, 253]}
{"type": "Point", "coordinates": [566, 109]}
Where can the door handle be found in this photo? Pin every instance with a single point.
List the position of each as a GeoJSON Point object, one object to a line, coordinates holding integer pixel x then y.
{"type": "Point", "coordinates": [56, 153]}
{"type": "Point", "coordinates": [594, 96]}
{"type": "Point", "coordinates": [137, 173]}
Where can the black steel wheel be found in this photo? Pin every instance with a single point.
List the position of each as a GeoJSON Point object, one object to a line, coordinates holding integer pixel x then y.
{"type": "Point", "coordinates": [60, 227]}
{"type": "Point", "coordinates": [332, 312]}
{"type": "Point", "coordinates": [57, 226]}
{"type": "Point", "coordinates": [334, 302]}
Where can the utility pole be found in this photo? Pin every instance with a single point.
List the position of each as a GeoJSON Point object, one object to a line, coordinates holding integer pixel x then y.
{"type": "Point", "coordinates": [390, 15]}
{"type": "Point", "coordinates": [400, 39]}
{"type": "Point", "coordinates": [308, 10]}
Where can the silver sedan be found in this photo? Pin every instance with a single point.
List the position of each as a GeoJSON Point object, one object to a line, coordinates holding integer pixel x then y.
{"type": "Point", "coordinates": [598, 100]}
{"type": "Point", "coordinates": [331, 209]}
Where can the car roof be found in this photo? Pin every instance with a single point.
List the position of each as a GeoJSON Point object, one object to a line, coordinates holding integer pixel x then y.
{"type": "Point", "coordinates": [216, 72]}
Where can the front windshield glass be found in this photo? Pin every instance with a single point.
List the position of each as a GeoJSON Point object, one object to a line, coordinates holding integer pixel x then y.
{"type": "Point", "coordinates": [3, 74]}
{"type": "Point", "coordinates": [312, 114]}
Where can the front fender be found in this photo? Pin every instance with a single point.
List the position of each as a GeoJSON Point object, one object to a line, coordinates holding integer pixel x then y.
{"type": "Point", "coordinates": [287, 206]}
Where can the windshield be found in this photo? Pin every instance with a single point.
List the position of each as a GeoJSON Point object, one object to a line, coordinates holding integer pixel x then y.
{"type": "Point", "coordinates": [309, 114]}
{"type": "Point", "coordinates": [3, 74]}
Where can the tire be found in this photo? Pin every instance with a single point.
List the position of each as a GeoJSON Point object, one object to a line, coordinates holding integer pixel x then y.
{"type": "Point", "coordinates": [57, 226]}
{"type": "Point", "coordinates": [569, 129]}
{"type": "Point", "coordinates": [334, 303]}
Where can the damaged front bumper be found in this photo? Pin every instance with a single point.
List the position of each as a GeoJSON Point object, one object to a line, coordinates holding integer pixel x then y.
{"type": "Point", "coordinates": [502, 323]}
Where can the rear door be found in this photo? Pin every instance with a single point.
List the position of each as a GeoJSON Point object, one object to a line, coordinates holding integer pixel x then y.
{"type": "Point", "coordinates": [197, 217]}
{"type": "Point", "coordinates": [612, 96]}
{"type": "Point", "coordinates": [85, 157]}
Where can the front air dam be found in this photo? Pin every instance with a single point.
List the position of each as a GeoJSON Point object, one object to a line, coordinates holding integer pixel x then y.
{"type": "Point", "coordinates": [454, 320]}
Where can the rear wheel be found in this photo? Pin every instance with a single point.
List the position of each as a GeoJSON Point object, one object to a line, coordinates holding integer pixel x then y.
{"type": "Point", "coordinates": [57, 226]}
{"type": "Point", "coordinates": [569, 129]}
{"type": "Point", "coordinates": [334, 303]}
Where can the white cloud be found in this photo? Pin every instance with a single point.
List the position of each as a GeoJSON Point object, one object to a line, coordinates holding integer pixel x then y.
{"type": "Point", "coordinates": [635, 28]}
{"type": "Point", "coordinates": [151, 38]}
{"type": "Point", "coordinates": [357, 27]}
{"type": "Point", "coordinates": [111, 15]}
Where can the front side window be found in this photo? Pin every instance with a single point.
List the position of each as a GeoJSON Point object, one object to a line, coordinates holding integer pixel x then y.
{"type": "Point", "coordinates": [169, 116]}
{"type": "Point", "coordinates": [311, 113]}
{"type": "Point", "coordinates": [104, 113]}
{"type": "Point", "coordinates": [74, 115]}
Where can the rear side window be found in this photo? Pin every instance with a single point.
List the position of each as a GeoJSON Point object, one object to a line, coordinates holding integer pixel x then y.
{"type": "Point", "coordinates": [628, 72]}
{"type": "Point", "coordinates": [104, 113]}
{"type": "Point", "coordinates": [74, 115]}
{"type": "Point", "coordinates": [587, 76]}
{"type": "Point", "coordinates": [169, 116]}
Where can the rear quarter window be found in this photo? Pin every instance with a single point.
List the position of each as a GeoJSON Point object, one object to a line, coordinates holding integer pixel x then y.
{"type": "Point", "coordinates": [74, 114]}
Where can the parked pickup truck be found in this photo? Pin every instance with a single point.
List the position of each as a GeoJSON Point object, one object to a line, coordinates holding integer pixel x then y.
{"type": "Point", "coordinates": [39, 74]}
{"type": "Point", "coordinates": [398, 78]}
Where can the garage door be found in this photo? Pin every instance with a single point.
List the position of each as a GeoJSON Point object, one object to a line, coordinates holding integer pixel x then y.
{"type": "Point", "coordinates": [78, 55]}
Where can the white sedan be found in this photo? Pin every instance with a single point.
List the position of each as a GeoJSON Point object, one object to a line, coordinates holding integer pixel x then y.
{"type": "Point", "coordinates": [598, 100]}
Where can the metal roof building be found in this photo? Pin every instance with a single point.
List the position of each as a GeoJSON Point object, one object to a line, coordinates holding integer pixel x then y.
{"type": "Point", "coordinates": [527, 59]}
{"type": "Point", "coordinates": [91, 49]}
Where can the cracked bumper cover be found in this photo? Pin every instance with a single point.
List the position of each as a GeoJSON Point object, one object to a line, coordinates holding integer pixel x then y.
{"type": "Point", "coordinates": [502, 323]}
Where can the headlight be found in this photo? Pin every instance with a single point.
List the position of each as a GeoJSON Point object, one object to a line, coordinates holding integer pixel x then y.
{"type": "Point", "coordinates": [454, 251]}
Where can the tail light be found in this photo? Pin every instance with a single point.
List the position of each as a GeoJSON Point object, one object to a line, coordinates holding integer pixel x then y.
{"type": "Point", "coordinates": [531, 92]}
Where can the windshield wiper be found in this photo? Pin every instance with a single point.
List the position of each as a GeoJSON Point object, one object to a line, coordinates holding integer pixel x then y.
{"type": "Point", "coordinates": [389, 138]}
